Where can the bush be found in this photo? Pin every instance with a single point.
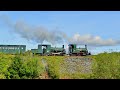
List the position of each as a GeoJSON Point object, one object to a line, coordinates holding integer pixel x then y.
{"type": "Point", "coordinates": [23, 69]}
{"type": "Point", "coordinates": [14, 69]}
{"type": "Point", "coordinates": [106, 66]}
{"type": "Point", "coordinates": [2, 76]}
{"type": "Point", "coordinates": [5, 61]}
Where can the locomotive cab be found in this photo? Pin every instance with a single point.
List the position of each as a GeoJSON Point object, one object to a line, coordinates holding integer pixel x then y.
{"type": "Point", "coordinates": [74, 50]}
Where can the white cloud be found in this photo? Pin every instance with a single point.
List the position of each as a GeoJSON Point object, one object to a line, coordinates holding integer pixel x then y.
{"type": "Point", "coordinates": [92, 40]}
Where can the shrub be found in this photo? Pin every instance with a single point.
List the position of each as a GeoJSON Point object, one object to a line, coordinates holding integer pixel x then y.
{"type": "Point", "coordinates": [23, 69]}
{"type": "Point", "coordinates": [106, 66]}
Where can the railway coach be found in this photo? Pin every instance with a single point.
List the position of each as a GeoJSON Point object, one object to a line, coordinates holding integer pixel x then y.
{"type": "Point", "coordinates": [12, 49]}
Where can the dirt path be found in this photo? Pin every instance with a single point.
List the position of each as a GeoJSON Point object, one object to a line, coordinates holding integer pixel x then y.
{"type": "Point", "coordinates": [45, 75]}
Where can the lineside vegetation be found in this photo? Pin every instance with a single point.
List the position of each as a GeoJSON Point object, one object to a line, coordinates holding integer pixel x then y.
{"type": "Point", "coordinates": [27, 66]}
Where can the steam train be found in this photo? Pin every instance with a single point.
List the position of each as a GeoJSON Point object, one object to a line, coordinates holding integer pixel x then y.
{"type": "Point", "coordinates": [60, 51]}
{"type": "Point", "coordinates": [46, 50]}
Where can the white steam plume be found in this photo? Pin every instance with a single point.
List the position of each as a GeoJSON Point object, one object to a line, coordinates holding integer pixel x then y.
{"type": "Point", "coordinates": [40, 34]}
{"type": "Point", "coordinates": [36, 34]}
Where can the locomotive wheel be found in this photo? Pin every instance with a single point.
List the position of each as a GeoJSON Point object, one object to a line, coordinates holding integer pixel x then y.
{"type": "Point", "coordinates": [78, 54]}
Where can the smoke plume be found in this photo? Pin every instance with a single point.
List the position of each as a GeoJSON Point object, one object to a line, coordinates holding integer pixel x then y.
{"type": "Point", "coordinates": [41, 34]}
{"type": "Point", "coordinates": [36, 34]}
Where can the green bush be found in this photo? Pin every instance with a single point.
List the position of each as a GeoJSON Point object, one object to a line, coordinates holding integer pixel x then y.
{"type": "Point", "coordinates": [5, 61]}
{"type": "Point", "coordinates": [14, 69]}
{"type": "Point", "coordinates": [2, 76]}
{"type": "Point", "coordinates": [106, 66]}
{"type": "Point", "coordinates": [23, 69]}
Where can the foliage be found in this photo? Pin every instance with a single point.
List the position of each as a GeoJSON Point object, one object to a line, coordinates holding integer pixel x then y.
{"type": "Point", "coordinates": [54, 66]}
{"type": "Point", "coordinates": [106, 66]}
{"type": "Point", "coordinates": [5, 61]}
{"type": "Point", "coordinates": [27, 66]}
{"type": "Point", "coordinates": [22, 68]}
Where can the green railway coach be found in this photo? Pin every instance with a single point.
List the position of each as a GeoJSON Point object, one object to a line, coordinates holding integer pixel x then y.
{"type": "Point", "coordinates": [12, 49]}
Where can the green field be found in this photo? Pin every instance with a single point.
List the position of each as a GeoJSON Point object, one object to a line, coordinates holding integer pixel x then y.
{"type": "Point", "coordinates": [26, 66]}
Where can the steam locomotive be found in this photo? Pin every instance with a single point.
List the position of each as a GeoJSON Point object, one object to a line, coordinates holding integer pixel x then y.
{"type": "Point", "coordinates": [48, 50]}
{"type": "Point", "coordinates": [60, 51]}
{"type": "Point", "coordinates": [74, 51]}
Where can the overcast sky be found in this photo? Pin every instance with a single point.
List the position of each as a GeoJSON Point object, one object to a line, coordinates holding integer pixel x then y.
{"type": "Point", "coordinates": [98, 29]}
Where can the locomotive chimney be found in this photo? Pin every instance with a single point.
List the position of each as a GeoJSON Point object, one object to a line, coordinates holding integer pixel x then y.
{"type": "Point", "coordinates": [63, 46]}
{"type": "Point", "coordinates": [86, 46]}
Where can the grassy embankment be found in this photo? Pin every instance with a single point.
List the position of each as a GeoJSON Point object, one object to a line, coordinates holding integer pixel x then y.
{"type": "Point", "coordinates": [104, 66]}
